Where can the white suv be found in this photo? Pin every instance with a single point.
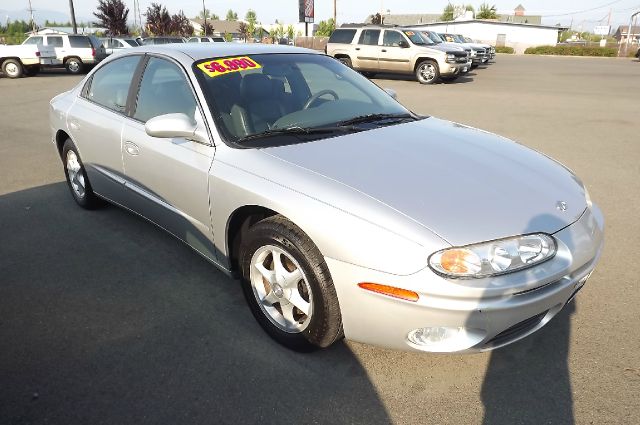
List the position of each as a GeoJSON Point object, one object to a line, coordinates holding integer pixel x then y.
{"type": "Point", "coordinates": [75, 52]}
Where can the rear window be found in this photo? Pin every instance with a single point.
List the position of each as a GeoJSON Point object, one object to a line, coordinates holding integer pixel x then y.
{"type": "Point", "coordinates": [342, 36]}
{"type": "Point", "coordinates": [80, 41]}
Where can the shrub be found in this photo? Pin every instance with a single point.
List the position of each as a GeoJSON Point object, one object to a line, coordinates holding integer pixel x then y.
{"type": "Point", "coordinates": [505, 49]}
{"type": "Point", "coordinates": [572, 51]}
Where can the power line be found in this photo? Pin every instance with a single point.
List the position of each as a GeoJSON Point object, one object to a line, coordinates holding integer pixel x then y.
{"type": "Point", "coordinates": [582, 11]}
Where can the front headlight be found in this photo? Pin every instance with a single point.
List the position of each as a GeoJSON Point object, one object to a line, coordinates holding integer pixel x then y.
{"type": "Point", "coordinates": [493, 258]}
{"type": "Point", "coordinates": [451, 56]}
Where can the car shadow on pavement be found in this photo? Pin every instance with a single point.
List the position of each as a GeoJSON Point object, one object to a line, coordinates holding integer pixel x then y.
{"type": "Point", "coordinates": [528, 382]}
{"type": "Point", "coordinates": [466, 78]}
{"type": "Point", "coordinates": [105, 318]}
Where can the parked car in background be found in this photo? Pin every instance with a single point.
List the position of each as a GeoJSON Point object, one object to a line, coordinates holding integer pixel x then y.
{"type": "Point", "coordinates": [439, 42]}
{"type": "Point", "coordinates": [16, 61]}
{"type": "Point", "coordinates": [115, 44]}
{"type": "Point", "coordinates": [75, 52]}
{"type": "Point", "coordinates": [342, 212]}
{"type": "Point", "coordinates": [374, 49]}
{"type": "Point", "coordinates": [480, 54]}
{"type": "Point", "coordinates": [205, 40]}
{"type": "Point", "coordinates": [638, 54]}
{"type": "Point", "coordinates": [487, 47]}
{"type": "Point", "coordinates": [162, 40]}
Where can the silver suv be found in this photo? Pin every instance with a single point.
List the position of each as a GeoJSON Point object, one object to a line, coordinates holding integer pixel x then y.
{"type": "Point", "coordinates": [373, 49]}
{"type": "Point", "coordinates": [75, 52]}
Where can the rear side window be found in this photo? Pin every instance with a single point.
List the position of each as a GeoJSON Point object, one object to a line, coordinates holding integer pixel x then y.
{"type": "Point", "coordinates": [109, 85]}
{"type": "Point", "coordinates": [369, 37]}
{"type": "Point", "coordinates": [55, 41]}
{"type": "Point", "coordinates": [79, 41]}
{"type": "Point", "coordinates": [342, 36]}
{"type": "Point", "coordinates": [164, 90]}
{"type": "Point", "coordinates": [204, 40]}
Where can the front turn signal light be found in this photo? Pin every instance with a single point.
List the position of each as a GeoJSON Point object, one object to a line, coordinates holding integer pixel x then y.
{"type": "Point", "coordinates": [391, 291]}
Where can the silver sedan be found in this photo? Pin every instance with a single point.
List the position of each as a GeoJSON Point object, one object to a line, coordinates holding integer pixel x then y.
{"type": "Point", "coordinates": [341, 212]}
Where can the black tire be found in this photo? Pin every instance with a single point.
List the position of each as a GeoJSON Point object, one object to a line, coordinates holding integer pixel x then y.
{"type": "Point", "coordinates": [346, 61]}
{"type": "Point", "coordinates": [74, 65]}
{"type": "Point", "coordinates": [32, 70]}
{"type": "Point", "coordinates": [87, 200]}
{"type": "Point", "coordinates": [325, 322]}
{"type": "Point", "coordinates": [12, 68]}
{"type": "Point", "coordinates": [427, 72]}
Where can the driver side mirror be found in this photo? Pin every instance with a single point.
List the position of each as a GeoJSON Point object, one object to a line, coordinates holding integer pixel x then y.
{"type": "Point", "coordinates": [403, 44]}
{"type": "Point", "coordinates": [170, 126]}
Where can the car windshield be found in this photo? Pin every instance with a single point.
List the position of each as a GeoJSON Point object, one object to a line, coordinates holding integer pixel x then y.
{"type": "Point", "coordinates": [308, 95]}
{"type": "Point", "coordinates": [433, 37]}
{"type": "Point", "coordinates": [417, 38]}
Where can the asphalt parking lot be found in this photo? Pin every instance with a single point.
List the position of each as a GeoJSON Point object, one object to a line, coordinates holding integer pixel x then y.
{"type": "Point", "coordinates": [106, 319]}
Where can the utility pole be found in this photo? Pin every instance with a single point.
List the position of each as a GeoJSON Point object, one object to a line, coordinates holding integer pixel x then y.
{"type": "Point", "coordinates": [335, 15]}
{"type": "Point", "coordinates": [33, 22]}
{"type": "Point", "coordinates": [204, 15]}
{"type": "Point", "coordinates": [73, 16]}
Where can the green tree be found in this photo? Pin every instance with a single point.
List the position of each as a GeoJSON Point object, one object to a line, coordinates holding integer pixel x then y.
{"type": "Point", "coordinates": [326, 28]}
{"type": "Point", "coordinates": [206, 13]}
{"type": "Point", "coordinates": [290, 32]}
{"type": "Point", "coordinates": [231, 15]}
{"type": "Point", "coordinates": [487, 12]}
{"type": "Point", "coordinates": [228, 36]}
{"type": "Point", "coordinates": [112, 15]}
{"type": "Point", "coordinates": [251, 17]}
{"type": "Point", "coordinates": [447, 13]}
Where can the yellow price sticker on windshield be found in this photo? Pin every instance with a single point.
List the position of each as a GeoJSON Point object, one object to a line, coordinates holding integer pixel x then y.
{"type": "Point", "coordinates": [218, 67]}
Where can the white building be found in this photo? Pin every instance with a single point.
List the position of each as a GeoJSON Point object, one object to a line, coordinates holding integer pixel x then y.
{"type": "Point", "coordinates": [510, 34]}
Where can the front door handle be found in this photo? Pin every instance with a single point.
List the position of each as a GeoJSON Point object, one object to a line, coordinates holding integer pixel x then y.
{"type": "Point", "coordinates": [384, 50]}
{"type": "Point", "coordinates": [131, 148]}
{"type": "Point", "coordinates": [357, 48]}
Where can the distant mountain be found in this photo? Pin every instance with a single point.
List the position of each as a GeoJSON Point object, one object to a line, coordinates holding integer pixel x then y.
{"type": "Point", "coordinates": [39, 15]}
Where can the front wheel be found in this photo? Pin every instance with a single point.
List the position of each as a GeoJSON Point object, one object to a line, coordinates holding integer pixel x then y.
{"type": "Point", "coordinates": [427, 72]}
{"type": "Point", "coordinates": [74, 65]}
{"type": "Point", "coordinates": [12, 68]}
{"type": "Point", "coordinates": [288, 287]}
{"type": "Point", "coordinates": [346, 61]}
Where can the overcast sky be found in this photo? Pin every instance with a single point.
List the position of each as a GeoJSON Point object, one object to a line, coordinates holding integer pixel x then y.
{"type": "Point", "coordinates": [356, 10]}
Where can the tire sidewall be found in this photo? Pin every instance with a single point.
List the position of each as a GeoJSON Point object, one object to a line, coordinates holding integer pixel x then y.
{"type": "Point", "coordinates": [311, 337]}
{"type": "Point", "coordinates": [88, 200]}
{"type": "Point", "coordinates": [346, 62]}
{"type": "Point", "coordinates": [419, 74]}
{"type": "Point", "coordinates": [76, 60]}
{"type": "Point", "coordinates": [20, 71]}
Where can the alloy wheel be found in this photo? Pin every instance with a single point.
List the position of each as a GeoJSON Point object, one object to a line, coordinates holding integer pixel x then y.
{"type": "Point", "coordinates": [76, 174]}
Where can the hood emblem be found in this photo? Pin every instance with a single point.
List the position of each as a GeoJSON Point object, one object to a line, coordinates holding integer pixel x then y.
{"type": "Point", "coordinates": [561, 206]}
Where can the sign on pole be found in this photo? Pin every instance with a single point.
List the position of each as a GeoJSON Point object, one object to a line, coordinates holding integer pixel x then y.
{"type": "Point", "coordinates": [602, 30]}
{"type": "Point", "coordinates": [305, 11]}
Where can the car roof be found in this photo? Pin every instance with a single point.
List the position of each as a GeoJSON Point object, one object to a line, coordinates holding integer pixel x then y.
{"type": "Point", "coordinates": [198, 51]}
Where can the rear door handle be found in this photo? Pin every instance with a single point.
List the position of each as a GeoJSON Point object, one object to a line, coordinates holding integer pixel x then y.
{"type": "Point", "coordinates": [384, 50]}
{"type": "Point", "coordinates": [131, 148]}
{"type": "Point", "coordinates": [357, 48]}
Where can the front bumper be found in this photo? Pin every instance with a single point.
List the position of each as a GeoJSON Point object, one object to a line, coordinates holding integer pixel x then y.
{"type": "Point", "coordinates": [491, 312]}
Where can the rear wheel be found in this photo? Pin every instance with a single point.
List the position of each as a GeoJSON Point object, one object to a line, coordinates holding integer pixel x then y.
{"type": "Point", "coordinates": [74, 65]}
{"type": "Point", "coordinates": [12, 68]}
{"type": "Point", "coordinates": [287, 285]}
{"type": "Point", "coordinates": [77, 178]}
{"type": "Point", "coordinates": [427, 72]}
{"type": "Point", "coordinates": [346, 61]}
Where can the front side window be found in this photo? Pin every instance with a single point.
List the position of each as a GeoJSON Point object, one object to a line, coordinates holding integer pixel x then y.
{"type": "Point", "coordinates": [110, 84]}
{"type": "Point", "coordinates": [33, 40]}
{"type": "Point", "coordinates": [164, 90]}
{"type": "Point", "coordinates": [55, 41]}
{"type": "Point", "coordinates": [418, 39]}
{"type": "Point", "coordinates": [192, 40]}
{"type": "Point", "coordinates": [392, 38]}
{"type": "Point", "coordinates": [369, 37]}
{"type": "Point", "coordinates": [253, 98]}
{"type": "Point", "coordinates": [204, 40]}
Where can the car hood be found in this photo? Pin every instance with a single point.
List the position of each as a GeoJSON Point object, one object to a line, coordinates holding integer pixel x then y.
{"type": "Point", "coordinates": [463, 184]}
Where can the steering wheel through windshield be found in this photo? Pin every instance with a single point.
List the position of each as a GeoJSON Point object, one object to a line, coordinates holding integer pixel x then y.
{"type": "Point", "coordinates": [318, 95]}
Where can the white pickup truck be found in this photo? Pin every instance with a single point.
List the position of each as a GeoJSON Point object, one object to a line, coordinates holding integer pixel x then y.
{"type": "Point", "coordinates": [16, 61]}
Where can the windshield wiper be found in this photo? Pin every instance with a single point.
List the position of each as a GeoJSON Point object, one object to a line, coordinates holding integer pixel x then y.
{"type": "Point", "coordinates": [376, 117]}
{"type": "Point", "coordinates": [296, 130]}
